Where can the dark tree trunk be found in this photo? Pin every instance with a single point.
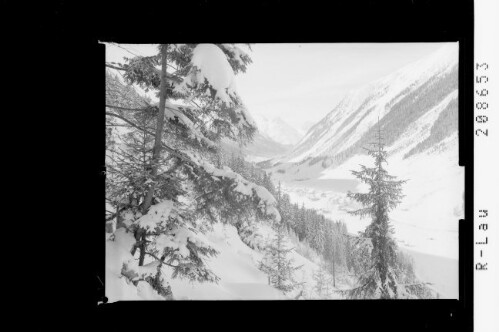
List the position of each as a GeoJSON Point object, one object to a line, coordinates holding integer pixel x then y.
{"type": "Point", "coordinates": [140, 233]}
{"type": "Point", "coordinates": [142, 249]}
{"type": "Point", "coordinates": [159, 131]}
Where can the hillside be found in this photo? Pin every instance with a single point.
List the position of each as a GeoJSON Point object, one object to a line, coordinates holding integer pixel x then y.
{"type": "Point", "coordinates": [397, 100]}
{"type": "Point", "coordinates": [236, 265]}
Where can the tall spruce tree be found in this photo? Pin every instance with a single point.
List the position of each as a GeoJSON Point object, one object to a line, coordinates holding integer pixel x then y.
{"type": "Point", "coordinates": [379, 280]}
{"type": "Point", "coordinates": [159, 153]}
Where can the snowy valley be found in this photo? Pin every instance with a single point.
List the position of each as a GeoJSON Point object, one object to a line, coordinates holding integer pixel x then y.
{"type": "Point", "coordinates": [274, 138]}
{"type": "Point", "coordinates": [207, 201]}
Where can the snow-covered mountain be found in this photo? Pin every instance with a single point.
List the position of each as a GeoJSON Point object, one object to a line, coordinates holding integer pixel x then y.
{"type": "Point", "coordinates": [277, 130]}
{"type": "Point", "coordinates": [260, 149]}
{"type": "Point", "coordinates": [424, 92]}
{"type": "Point", "coordinates": [305, 127]}
{"type": "Point", "coordinates": [274, 139]}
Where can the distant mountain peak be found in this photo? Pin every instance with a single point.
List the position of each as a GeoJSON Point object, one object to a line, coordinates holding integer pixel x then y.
{"type": "Point", "coordinates": [277, 129]}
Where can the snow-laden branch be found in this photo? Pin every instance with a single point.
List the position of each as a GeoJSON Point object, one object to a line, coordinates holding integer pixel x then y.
{"type": "Point", "coordinates": [242, 186]}
{"type": "Point", "coordinates": [210, 64]}
{"type": "Point", "coordinates": [173, 111]}
{"type": "Point", "coordinates": [267, 202]}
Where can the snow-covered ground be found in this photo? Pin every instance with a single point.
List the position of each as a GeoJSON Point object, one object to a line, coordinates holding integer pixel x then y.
{"type": "Point", "coordinates": [441, 271]}
{"type": "Point", "coordinates": [240, 279]}
{"type": "Point", "coordinates": [236, 265]}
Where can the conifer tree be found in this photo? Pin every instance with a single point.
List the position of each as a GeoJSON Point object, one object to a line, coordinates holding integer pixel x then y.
{"type": "Point", "coordinates": [302, 228]}
{"type": "Point", "coordinates": [379, 280]}
{"type": "Point", "coordinates": [167, 154]}
{"type": "Point", "coordinates": [322, 281]}
{"type": "Point", "coordinates": [278, 265]}
{"type": "Point", "coordinates": [279, 195]}
{"type": "Point", "coordinates": [330, 249]}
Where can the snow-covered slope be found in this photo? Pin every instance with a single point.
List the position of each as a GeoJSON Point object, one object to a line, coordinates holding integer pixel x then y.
{"type": "Point", "coordinates": [397, 100]}
{"type": "Point", "coordinates": [304, 128]}
{"type": "Point", "coordinates": [277, 130]}
{"type": "Point", "coordinates": [236, 265]}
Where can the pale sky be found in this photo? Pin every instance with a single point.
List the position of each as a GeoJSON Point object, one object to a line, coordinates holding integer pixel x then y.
{"type": "Point", "coordinates": [301, 83]}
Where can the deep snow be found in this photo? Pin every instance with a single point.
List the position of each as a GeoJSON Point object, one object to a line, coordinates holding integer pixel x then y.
{"type": "Point", "coordinates": [236, 265]}
{"type": "Point", "coordinates": [240, 279]}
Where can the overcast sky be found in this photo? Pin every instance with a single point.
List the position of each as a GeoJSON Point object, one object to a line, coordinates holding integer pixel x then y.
{"type": "Point", "coordinates": [301, 83]}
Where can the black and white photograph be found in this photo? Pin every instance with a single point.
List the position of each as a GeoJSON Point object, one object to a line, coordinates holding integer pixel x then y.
{"type": "Point", "coordinates": [282, 171]}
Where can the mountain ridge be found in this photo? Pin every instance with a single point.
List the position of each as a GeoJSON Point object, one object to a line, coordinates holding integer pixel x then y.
{"type": "Point", "coordinates": [397, 100]}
